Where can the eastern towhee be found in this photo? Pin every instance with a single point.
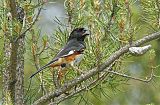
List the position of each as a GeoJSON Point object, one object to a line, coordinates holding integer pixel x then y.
{"type": "Point", "coordinates": [71, 52]}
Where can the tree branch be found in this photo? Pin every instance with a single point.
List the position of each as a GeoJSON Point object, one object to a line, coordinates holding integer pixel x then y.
{"type": "Point", "coordinates": [89, 86]}
{"type": "Point", "coordinates": [36, 18]}
{"type": "Point", "coordinates": [12, 4]}
{"type": "Point", "coordinates": [70, 84]}
{"type": "Point", "coordinates": [130, 77]}
{"type": "Point", "coordinates": [113, 13]}
{"type": "Point", "coordinates": [94, 83]}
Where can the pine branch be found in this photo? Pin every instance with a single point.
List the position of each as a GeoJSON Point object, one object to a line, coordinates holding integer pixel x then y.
{"type": "Point", "coordinates": [87, 87]}
{"type": "Point", "coordinates": [70, 84]}
{"type": "Point", "coordinates": [130, 77]}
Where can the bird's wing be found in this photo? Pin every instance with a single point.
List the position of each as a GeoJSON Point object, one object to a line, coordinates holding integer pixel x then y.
{"type": "Point", "coordinates": [70, 48]}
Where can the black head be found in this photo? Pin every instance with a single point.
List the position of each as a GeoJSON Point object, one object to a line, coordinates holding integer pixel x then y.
{"type": "Point", "coordinates": [79, 34]}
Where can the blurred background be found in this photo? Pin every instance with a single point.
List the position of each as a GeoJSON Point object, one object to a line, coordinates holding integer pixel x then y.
{"type": "Point", "coordinates": [121, 91]}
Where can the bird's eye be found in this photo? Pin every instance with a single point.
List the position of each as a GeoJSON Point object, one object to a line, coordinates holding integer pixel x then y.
{"type": "Point", "coordinates": [83, 30]}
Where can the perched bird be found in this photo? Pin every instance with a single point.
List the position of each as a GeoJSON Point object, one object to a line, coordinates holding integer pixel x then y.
{"type": "Point", "coordinates": [71, 52]}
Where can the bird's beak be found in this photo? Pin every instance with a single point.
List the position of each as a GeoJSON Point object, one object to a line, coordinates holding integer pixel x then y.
{"type": "Point", "coordinates": [87, 32]}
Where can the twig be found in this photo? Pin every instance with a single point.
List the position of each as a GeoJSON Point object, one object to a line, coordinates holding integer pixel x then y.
{"type": "Point", "coordinates": [24, 33]}
{"type": "Point", "coordinates": [134, 78]}
{"type": "Point", "coordinates": [43, 49]}
{"type": "Point", "coordinates": [129, 20]}
{"type": "Point", "coordinates": [113, 12]}
{"type": "Point", "coordinates": [56, 82]}
{"type": "Point", "coordinates": [90, 86]}
{"type": "Point", "coordinates": [70, 84]}
{"type": "Point", "coordinates": [158, 17]}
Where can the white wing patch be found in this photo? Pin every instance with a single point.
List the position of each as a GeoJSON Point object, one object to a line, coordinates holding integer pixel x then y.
{"type": "Point", "coordinates": [69, 53]}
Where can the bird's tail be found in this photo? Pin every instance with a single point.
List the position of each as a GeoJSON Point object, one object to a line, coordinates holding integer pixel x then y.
{"type": "Point", "coordinates": [42, 68]}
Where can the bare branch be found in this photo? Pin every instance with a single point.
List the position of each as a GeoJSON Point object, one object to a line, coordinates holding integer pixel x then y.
{"type": "Point", "coordinates": [24, 33]}
{"type": "Point", "coordinates": [70, 84]}
{"type": "Point", "coordinates": [90, 86]}
{"type": "Point", "coordinates": [130, 77]}
{"type": "Point", "coordinates": [94, 83]}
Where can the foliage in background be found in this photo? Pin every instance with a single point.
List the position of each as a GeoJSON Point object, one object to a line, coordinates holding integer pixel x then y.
{"type": "Point", "coordinates": [113, 24]}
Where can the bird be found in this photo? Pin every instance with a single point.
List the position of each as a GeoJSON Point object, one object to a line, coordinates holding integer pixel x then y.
{"type": "Point", "coordinates": [72, 51]}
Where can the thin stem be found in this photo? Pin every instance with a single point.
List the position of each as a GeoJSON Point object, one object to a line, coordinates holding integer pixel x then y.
{"type": "Point", "coordinates": [70, 84]}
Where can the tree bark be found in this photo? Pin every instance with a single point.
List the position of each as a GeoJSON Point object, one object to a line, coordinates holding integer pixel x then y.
{"type": "Point", "coordinates": [13, 71]}
{"type": "Point", "coordinates": [7, 81]}
{"type": "Point", "coordinates": [19, 86]}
